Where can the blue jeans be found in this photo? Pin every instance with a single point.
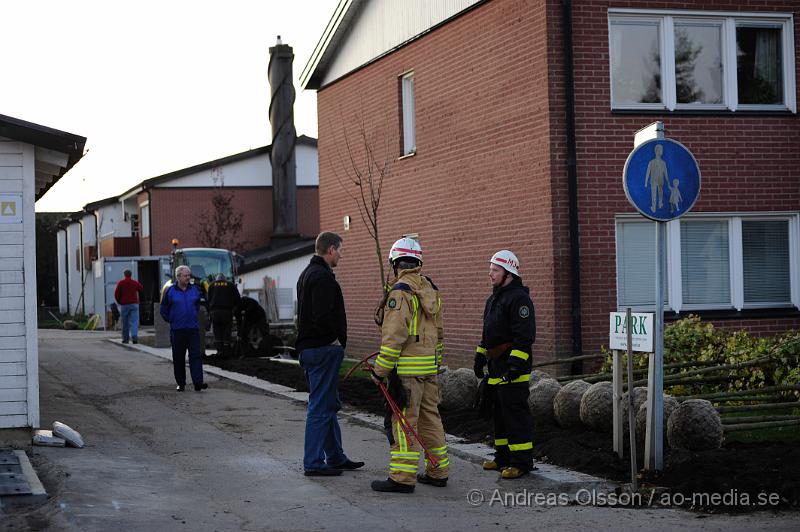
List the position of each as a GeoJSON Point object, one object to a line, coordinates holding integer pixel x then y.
{"type": "Point", "coordinates": [130, 321]}
{"type": "Point", "coordinates": [183, 340]}
{"type": "Point", "coordinates": [323, 441]}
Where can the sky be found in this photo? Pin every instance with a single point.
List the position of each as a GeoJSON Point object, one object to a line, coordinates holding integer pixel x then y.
{"type": "Point", "coordinates": [154, 86]}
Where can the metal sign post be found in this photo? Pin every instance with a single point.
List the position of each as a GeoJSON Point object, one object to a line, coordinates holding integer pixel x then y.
{"type": "Point", "coordinates": [631, 332]}
{"type": "Point", "coordinates": [631, 413]}
{"type": "Point", "coordinates": [662, 181]}
{"type": "Point", "coordinates": [654, 435]}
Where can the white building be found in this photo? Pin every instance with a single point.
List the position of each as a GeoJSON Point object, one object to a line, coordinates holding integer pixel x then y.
{"type": "Point", "coordinates": [32, 159]}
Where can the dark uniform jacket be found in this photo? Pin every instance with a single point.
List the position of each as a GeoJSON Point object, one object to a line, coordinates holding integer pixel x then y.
{"type": "Point", "coordinates": [222, 295]}
{"type": "Point", "coordinates": [321, 318]}
{"type": "Point", "coordinates": [509, 322]}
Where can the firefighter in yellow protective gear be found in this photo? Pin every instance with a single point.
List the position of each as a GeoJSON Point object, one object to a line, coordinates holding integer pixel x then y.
{"type": "Point", "coordinates": [411, 345]}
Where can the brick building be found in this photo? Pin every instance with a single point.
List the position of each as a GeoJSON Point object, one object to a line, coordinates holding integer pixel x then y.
{"type": "Point", "coordinates": [507, 123]}
{"type": "Point", "coordinates": [142, 221]}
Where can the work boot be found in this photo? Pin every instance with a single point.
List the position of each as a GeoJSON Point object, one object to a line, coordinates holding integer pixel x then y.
{"type": "Point", "coordinates": [438, 482]}
{"type": "Point", "coordinates": [390, 486]}
{"type": "Point", "coordinates": [491, 465]}
{"type": "Point", "coordinates": [512, 472]}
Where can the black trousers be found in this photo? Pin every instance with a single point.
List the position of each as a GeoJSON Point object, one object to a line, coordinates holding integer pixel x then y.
{"type": "Point", "coordinates": [222, 321]}
{"type": "Point", "coordinates": [513, 426]}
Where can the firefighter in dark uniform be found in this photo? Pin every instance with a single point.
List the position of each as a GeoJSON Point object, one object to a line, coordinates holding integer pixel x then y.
{"type": "Point", "coordinates": [509, 330]}
{"type": "Point", "coordinates": [250, 315]}
{"type": "Point", "coordinates": [223, 297]}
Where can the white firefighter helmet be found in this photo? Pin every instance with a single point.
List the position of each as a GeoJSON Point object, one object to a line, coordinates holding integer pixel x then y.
{"type": "Point", "coordinates": [506, 260]}
{"type": "Point", "coordinates": [405, 247]}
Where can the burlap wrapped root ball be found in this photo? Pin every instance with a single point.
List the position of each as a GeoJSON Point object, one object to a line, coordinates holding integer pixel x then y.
{"type": "Point", "coordinates": [459, 388]}
{"type": "Point", "coordinates": [597, 407]}
{"type": "Point", "coordinates": [639, 398]}
{"type": "Point", "coordinates": [536, 376]}
{"type": "Point", "coordinates": [670, 404]}
{"type": "Point", "coordinates": [540, 400]}
{"type": "Point", "coordinates": [567, 404]}
{"type": "Point", "coordinates": [695, 425]}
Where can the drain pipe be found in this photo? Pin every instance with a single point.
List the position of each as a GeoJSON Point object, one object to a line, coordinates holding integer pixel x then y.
{"type": "Point", "coordinates": [572, 180]}
{"type": "Point", "coordinates": [149, 222]}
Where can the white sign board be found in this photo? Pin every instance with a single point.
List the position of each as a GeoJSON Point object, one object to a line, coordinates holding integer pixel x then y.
{"type": "Point", "coordinates": [10, 208]}
{"type": "Point", "coordinates": [641, 332]}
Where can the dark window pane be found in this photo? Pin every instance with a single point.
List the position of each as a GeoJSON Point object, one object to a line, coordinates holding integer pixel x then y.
{"type": "Point", "coordinates": [635, 63]}
{"type": "Point", "coordinates": [759, 65]}
{"type": "Point", "coordinates": [705, 270]}
{"type": "Point", "coordinates": [698, 63]}
{"type": "Point", "coordinates": [765, 250]}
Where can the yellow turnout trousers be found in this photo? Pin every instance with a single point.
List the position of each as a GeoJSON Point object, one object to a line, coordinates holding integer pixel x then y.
{"type": "Point", "coordinates": [422, 413]}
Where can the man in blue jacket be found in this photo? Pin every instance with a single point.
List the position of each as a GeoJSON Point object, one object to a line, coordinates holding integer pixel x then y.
{"type": "Point", "coordinates": [179, 306]}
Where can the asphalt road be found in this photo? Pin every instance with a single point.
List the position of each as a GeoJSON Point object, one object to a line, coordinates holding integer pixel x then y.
{"type": "Point", "coordinates": [230, 458]}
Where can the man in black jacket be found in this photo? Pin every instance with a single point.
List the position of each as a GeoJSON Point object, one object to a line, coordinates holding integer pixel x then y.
{"type": "Point", "coordinates": [509, 330]}
{"type": "Point", "coordinates": [321, 339]}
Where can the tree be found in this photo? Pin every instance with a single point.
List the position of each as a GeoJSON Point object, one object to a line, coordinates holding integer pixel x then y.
{"type": "Point", "coordinates": [221, 227]}
{"type": "Point", "coordinates": [364, 172]}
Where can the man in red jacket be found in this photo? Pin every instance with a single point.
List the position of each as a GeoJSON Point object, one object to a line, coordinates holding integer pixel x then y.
{"type": "Point", "coordinates": [127, 295]}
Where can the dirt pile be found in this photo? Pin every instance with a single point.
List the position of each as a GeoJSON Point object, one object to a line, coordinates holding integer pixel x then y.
{"type": "Point", "coordinates": [741, 470]}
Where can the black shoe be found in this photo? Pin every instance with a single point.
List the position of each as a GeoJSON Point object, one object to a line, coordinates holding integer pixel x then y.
{"type": "Point", "coordinates": [135, 341]}
{"type": "Point", "coordinates": [390, 486]}
{"type": "Point", "coordinates": [180, 387]}
{"type": "Point", "coordinates": [322, 472]}
{"type": "Point", "coordinates": [349, 465]}
{"type": "Point", "coordinates": [438, 482]}
{"type": "Point", "coordinates": [124, 341]}
{"type": "Point", "coordinates": [200, 387]}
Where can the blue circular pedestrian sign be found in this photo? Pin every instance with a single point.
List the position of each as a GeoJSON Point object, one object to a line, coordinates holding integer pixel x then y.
{"type": "Point", "coordinates": [661, 179]}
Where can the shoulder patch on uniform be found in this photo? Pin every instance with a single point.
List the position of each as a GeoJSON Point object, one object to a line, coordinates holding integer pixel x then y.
{"type": "Point", "coordinates": [524, 311]}
{"type": "Point", "coordinates": [392, 303]}
{"type": "Point", "coordinates": [401, 286]}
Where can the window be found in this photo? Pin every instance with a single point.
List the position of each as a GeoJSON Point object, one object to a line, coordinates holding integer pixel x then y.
{"type": "Point", "coordinates": [714, 262]}
{"type": "Point", "coordinates": [678, 60]}
{"type": "Point", "coordinates": [134, 224]}
{"type": "Point", "coordinates": [408, 120]}
{"type": "Point", "coordinates": [145, 217]}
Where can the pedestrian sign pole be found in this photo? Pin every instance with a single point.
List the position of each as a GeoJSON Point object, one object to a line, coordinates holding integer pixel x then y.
{"type": "Point", "coordinates": [627, 332]}
{"type": "Point", "coordinates": [662, 181]}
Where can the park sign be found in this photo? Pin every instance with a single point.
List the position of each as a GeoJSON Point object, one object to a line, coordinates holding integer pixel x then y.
{"type": "Point", "coordinates": [661, 179]}
{"type": "Point", "coordinates": [642, 326]}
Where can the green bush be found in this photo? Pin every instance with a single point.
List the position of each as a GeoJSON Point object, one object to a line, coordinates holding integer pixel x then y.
{"type": "Point", "coordinates": [691, 341]}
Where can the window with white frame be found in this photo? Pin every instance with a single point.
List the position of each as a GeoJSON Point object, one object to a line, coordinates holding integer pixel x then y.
{"type": "Point", "coordinates": [715, 262]}
{"type": "Point", "coordinates": [408, 118]}
{"type": "Point", "coordinates": [706, 60]}
{"type": "Point", "coordinates": [145, 220]}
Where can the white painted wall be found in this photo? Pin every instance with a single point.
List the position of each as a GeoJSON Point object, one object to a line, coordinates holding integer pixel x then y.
{"type": "Point", "coordinates": [383, 25]}
{"type": "Point", "coordinates": [253, 172]}
{"type": "Point", "coordinates": [89, 239]}
{"type": "Point", "coordinates": [112, 221]}
{"type": "Point", "coordinates": [61, 250]}
{"type": "Point", "coordinates": [19, 377]}
{"type": "Point", "coordinates": [73, 266]}
{"type": "Point", "coordinates": [307, 165]}
{"type": "Point", "coordinates": [285, 275]}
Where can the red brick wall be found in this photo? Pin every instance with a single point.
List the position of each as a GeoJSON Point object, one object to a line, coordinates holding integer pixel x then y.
{"type": "Point", "coordinates": [748, 163]}
{"type": "Point", "coordinates": [175, 213]}
{"type": "Point", "coordinates": [479, 181]}
{"type": "Point", "coordinates": [490, 168]}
